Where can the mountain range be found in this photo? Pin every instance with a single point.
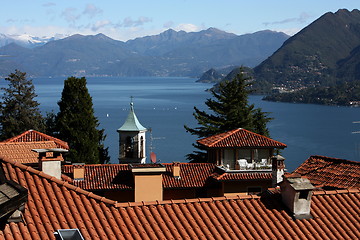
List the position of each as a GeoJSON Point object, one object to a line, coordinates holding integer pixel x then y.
{"type": "Point", "coordinates": [26, 40]}
{"type": "Point", "coordinates": [171, 53]}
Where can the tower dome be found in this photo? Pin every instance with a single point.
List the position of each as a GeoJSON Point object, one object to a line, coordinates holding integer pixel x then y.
{"type": "Point", "coordinates": [132, 139]}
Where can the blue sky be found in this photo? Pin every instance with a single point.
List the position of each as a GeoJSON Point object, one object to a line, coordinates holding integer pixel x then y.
{"type": "Point", "coordinates": [123, 20]}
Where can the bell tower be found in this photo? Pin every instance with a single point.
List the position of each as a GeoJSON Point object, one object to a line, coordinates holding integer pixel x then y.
{"type": "Point", "coordinates": [132, 139]}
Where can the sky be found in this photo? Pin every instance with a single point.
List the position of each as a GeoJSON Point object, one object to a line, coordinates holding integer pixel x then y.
{"type": "Point", "coordinates": [125, 19]}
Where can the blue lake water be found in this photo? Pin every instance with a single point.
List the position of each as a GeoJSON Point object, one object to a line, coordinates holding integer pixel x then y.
{"type": "Point", "coordinates": [166, 104]}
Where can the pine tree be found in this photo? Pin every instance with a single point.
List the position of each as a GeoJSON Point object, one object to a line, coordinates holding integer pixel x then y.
{"type": "Point", "coordinates": [19, 111]}
{"type": "Point", "coordinates": [77, 124]}
{"type": "Point", "coordinates": [230, 109]}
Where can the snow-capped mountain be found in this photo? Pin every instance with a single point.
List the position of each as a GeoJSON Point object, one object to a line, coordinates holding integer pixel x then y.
{"type": "Point", "coordinates": [26, 40]}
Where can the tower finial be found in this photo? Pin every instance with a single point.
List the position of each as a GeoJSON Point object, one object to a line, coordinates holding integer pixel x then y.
{"type": "Point", "coordinates": [131, 103]}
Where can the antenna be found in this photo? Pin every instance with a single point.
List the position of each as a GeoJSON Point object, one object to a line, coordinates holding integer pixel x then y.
{"type": "Point", "coordinates": [152, 154]}
{"type": "Point", "coordinates": [152, 139]}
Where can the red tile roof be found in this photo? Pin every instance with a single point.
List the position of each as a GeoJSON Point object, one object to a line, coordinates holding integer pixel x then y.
{"type": "Point", "coordinates": [240, 138]}
{"type": "Point", "coordinates": [53, 204]}
{"type": "Point", "coordinates": [35, 136]}
{"type": "Point", "coordinates": [119, 176]}
{"type": "Point", "coordinates": [330, 172]}
{"type": "Point", "coordinates": [21, 151]}
{"type": "Point", "coordinates": [233, 176]}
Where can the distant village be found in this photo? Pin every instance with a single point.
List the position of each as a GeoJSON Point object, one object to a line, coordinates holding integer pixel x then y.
{"type": "Point", "coordinates": [242, 192]}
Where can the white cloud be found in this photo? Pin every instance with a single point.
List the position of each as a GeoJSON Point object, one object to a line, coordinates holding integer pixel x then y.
{"type": "Point", "coordinates": [92, 11]}
{"type": "Point", "coordinates": [39, 31]}
{"type": "Point", "coordinates": [49, 4]}
{"type": "Point", "coordinates": [17, 20]}
{"type": "Point", "coordinates": [188, 27]}
{"type": "Point", "coordinates": [168, 24]}
{"type": "Point", "coordinates": [100, 24]}
{"type": "Point", "coordinates": [128, 22]}
{"type": "Point", "coordinates": [70, 15]}
{"type": "Point", "coordinates": [302, 18]}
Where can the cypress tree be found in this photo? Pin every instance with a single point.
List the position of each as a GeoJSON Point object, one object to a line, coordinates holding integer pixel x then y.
{"type": "Point", "coordinates": [77, 124]}
{"type": "Point", "coordinates": [230, 109]}
{"type": "Point", "coordinates": [19, 111]}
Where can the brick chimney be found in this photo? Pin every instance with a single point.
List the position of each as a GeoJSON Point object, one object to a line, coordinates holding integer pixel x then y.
{"type": "Point", "coordinates": [148, 181]}
{"type": "Point", "coordinates": [296, 192]}
{"type": "Point", "coordinates": [50, 160]}
{"type": "Point", "coordinates": [278, 168]}
{"type": "Point", "coordinates": [176, 170]}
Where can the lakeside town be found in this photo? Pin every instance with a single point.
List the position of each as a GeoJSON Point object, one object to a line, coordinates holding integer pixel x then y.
{"type": "Point", "coordinates": [61, 180]}
{"type": "Point", "coordinates": [240, 191]}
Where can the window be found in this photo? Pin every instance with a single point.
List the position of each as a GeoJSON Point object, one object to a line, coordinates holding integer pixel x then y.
{"type": "Point", "coordinates": [142, 150]}
{"type": "Point", "coordinates": [245, 154]}
{"type": "Point", "coordinates": [129, 147]}
{"type": "Point", "coordinates": [68, 234]}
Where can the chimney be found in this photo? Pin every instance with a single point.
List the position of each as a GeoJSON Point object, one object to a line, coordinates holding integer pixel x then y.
{"type": "Point", "coordinates": [176, 170]}
{"type": "Point", "coordinates": [296, 192]}
{"type": "Point", "coordinates": [148, 181]}
{"type": "Point", "coordinates": [50, 160]}
{"type": "Point", "coordinates": [78, 171]}
{"type": "Point", "coordinates": [278, 168]}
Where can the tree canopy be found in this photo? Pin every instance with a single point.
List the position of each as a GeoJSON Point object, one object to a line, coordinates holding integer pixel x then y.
{"type": "Point", "coordinates": [19, 111]}
{"type": "Point", "coordinates": [229, 109]}
{"type": "Point", "coordinates": [77, 124]}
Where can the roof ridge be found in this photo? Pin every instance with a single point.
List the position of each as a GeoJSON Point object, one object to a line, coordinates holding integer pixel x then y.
{"type": "Point", "coordinates": [262, 136]}
{"type": "Point", "coordinates": [337, 191]}
{"type": "Point", "coordinates": [18, 136]}
{"type": "Point", "coordinates": [126, 164]}
{"type": "Point", "coordinates": [225, 134]}
{"type": "Point", "coordinates": [216, 139]}
{"type": "Point", "coordinates": [46, 136]}
{"type": "Point", "coordinates": [57, 181]}
{"type": "Point", "coordinates": [51, 137]}
{"type": "Point", "coordinates": [186, 200]}
{"type": "Point", "coordinates": [187, 163]}
{"type": "Point", "coordinates": [336, 159]}
{"type": "Point", "coordinates": [27, 143]}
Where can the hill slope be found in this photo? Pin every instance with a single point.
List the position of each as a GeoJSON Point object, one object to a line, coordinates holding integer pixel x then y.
{"type": "Point", "coordinates": [312, 56]}
{"type": "Point", "coordinates": [320, 64]}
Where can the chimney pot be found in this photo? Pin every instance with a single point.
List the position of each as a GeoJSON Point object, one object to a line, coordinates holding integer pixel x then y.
{"type": "Point", "coordinates": [296, 192]}
{"type": "Point", "coordinates": [50, 160]}
{"type": "Point", "coordinates": [176, 170]}
{"type": "Point", "coordinates": [79, 171]}
{"type": "Point", "coordinates": [148, 181]}
{"type": "Point", "coordinates": [278, 168]}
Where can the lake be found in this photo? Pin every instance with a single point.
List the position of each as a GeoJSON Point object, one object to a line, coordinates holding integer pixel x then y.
{"type": "Point", "coordinates": [166, 104]}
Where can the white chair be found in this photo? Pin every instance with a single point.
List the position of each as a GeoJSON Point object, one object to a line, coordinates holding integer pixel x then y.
{"type": "Point", "coordinates": [242, 163]}
{"type": "Point", "coordinates": [264, 161]}
{"type": "Point", "coordinates": [250, 166]}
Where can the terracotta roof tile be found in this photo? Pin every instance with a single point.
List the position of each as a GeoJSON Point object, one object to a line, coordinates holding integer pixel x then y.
{"type": "Point", "coordinates": [330, 172]}
{"type": "Point", "coordinates": [54, 204]}
{"type": "Point", "coordinates": [119, 176]}
{"type": "Point", "coordinates": [240, 138]}
{"type": "Point", "coordinates": [21, 151]}
{"type": "Point", "coordinates": [35, 136]}
{"type": "Point", "coordinates": [225, 176]}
